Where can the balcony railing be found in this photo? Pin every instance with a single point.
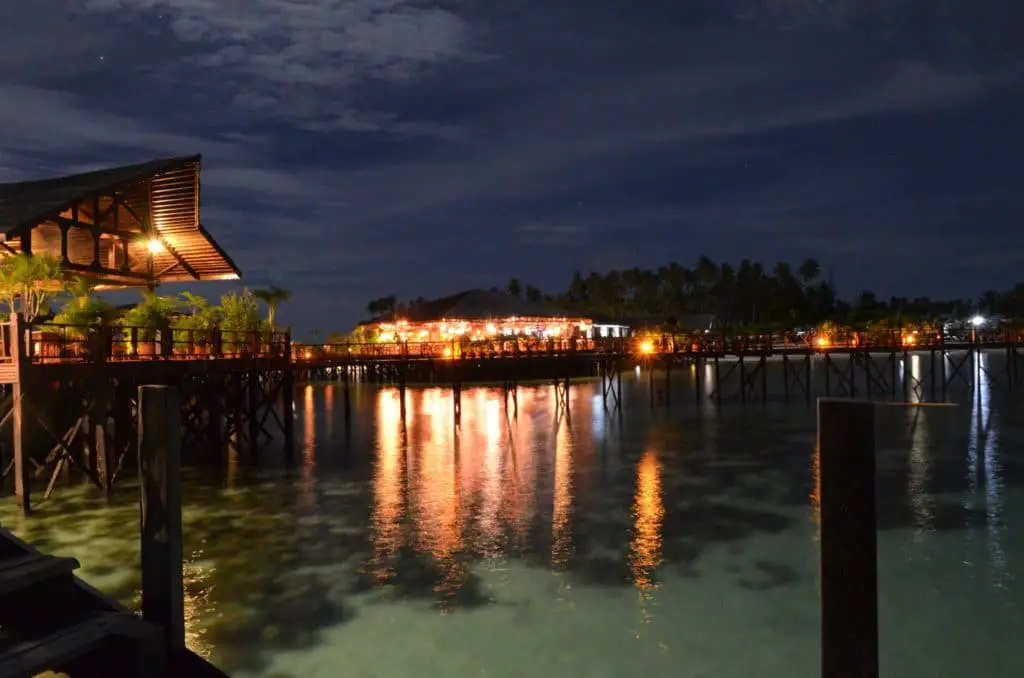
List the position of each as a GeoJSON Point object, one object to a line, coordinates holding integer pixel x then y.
{"type": "Point", "coordinates": [675, 344]}
{"type": "Point", "coordinates": [64, 343]}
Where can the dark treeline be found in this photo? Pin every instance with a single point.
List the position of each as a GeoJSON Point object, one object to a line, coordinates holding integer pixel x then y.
{"type": "Point", "coordinates": [749, 294]}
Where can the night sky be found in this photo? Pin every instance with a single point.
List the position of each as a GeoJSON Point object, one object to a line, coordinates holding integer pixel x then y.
{"type": "Point", "coordinates": [358, 148]}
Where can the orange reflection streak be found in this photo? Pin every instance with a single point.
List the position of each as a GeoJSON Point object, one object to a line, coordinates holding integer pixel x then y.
{"type": "Point", "coordinates": [437, 510]}
{"type": "Point", "coordinates": [816, 491]}
{"type": "Point", "coordinates": [437, 502]}
{"type": "Point", "coordinates": [490, 472]}
{"type": "Point", "coordinates": [389, 502]}
{"type": "Point", "coordinates": [517, 471]}
{"type": "Point", "coordinates": [329, 410]}
{"type": "Point", "coordinates": [561, 533]}
{"type": "Point", "coordinates": [648, 512]}
{"type": "Point", "coordinates": [307, 490]}
{"type": "Point", "coordinates": [308, 425]}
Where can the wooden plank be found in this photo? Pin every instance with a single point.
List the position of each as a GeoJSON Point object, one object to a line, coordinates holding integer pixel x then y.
{"type": "Point", "coordinates": [17, 574]}
{"type": "Point", "coordinates": [65, 645]}
{"type": "Point", "coordinates": [849, 549]}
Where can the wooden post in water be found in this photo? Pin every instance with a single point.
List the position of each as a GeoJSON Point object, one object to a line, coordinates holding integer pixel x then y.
{"type": "Point", "coordinates": [348, 401]}
{"type": "Point", "coordinates": [288, 400]}
{"type": "Point", "coordinates": [22, 442]}
{"type": "Point", "coordinates": [163, 601]}
{"type": "Point", "coordinates": [849, 559]}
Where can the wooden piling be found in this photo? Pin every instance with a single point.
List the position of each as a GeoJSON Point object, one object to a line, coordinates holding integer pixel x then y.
{"type": "Point", "coordinates": [849, 559]}
{"type": "Point", "coordinates": [253, 396]}
{"type": "Point", "coordinates": [22, 440]}
{"type": "Point", "coordinates": [288, 404]}
{"type": "Point", "coordinates": [159, 445]}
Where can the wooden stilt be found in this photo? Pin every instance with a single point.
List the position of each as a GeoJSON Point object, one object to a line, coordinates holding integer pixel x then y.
{"type": "Point", "coordinates": [849, 561]}
{"type": "Point", "coordinates": [159, 445]}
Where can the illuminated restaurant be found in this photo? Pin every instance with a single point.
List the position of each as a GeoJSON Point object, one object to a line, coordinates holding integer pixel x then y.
{"type": "Point", "coordinates": [476, 315]}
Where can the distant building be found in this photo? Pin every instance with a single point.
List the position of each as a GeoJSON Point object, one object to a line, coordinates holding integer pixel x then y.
{"type": "Point", "coordinates": [476, 315]}
{"type": "Point", "coordinates": [686, 323]}
{"type": "Point", "coordinates": [604, 326]}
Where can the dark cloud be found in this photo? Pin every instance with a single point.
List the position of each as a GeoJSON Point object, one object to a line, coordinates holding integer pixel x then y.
{"type": "Point", "coordinates": [354, 148]}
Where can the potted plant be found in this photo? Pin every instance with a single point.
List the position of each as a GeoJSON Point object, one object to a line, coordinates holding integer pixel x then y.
{"type": "Point", "coordinates": [240, 323]}
{"type": "Point", "coordinates": [147, 320]}
{"type": "Point", "coordinates": [195, 328]}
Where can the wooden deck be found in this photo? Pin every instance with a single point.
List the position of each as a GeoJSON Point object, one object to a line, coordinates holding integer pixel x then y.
{"type": "Point", "coordinates": [42, 346]}
{"type": "Point", "coordinates": [52, 621]}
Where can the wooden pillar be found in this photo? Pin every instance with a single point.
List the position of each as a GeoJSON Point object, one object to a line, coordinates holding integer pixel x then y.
{"type": "Point", "coordinates": [785, 376]}
{"type": "Point", "coordinates": [764, 377]}
{"type": "Point", "coordinates": [348, 400]}
{"type": "Point", "coordinates": [849, 560]}
{"type": "Point", "coordinates": [650, 381]}
{"type": "Point", "coordinates": [668, 381]}
{"type": "Point", "coordinates": [288, 400]}
{"type": "Point", "coordinates": [159, 445]}
{"type": "Point", "coordinates": [807, 375]}
{"type": "Point", "coordinates": [100, 460]}
{"type": "Point", "coordinates": [20, 427]}
{"type": "Point", "coordinates": [253, 393]}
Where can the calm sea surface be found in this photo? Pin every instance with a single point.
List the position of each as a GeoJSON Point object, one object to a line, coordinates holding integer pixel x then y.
{"type": "Point", "coordinates": [663, 543]}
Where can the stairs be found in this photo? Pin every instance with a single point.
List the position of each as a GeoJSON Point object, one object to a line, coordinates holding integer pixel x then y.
{"type": "Point", "coordinates": [49, 620]}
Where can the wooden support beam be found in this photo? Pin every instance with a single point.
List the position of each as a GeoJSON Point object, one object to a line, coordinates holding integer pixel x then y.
{"type": "Point", "coordinates": [21, 431]}
{"type": "Point", "coordinates": [849, 550]}
{"type": "Point", "coordinates": [152, 232]}
{"type": "Point", "coordinates": [159, 423]}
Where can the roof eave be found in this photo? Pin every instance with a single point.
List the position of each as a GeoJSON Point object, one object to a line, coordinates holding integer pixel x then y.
{"type": "Point", "coordinates": [224, 255]}
{"type": "Point", "coordinates": [18, 229]}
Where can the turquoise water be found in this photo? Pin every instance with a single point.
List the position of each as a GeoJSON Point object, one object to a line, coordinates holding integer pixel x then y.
{"type": "Point", "coordinates": [664, 544]}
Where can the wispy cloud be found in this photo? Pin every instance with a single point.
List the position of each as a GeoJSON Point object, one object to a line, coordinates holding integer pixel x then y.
{"type": "Point", "coordinates": [299, 60]}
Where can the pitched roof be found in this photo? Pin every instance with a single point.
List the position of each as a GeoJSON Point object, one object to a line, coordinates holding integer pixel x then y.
{"type": "Point", "coordinates": [172, 192]}
{"type": "Point", "coordinates": [478, 304]}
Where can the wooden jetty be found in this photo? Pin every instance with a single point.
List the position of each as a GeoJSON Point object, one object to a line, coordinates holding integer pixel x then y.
{"type": "Point", "coordinates": [72, 402]}
{"type": "Point", "coordinates": [723, 368]}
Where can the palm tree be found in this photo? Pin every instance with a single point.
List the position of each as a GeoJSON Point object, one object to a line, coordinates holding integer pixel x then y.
{"type": "Point", "coordinates": [272, 296]}
{"type": "Point", "coordinates": [27, 281]}
{"type": "Point", "coordinates": [809, 270]}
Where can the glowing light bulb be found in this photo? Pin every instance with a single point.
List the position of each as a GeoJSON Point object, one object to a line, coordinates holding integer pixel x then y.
{"type": "Point", "coordinates": [155, 246]}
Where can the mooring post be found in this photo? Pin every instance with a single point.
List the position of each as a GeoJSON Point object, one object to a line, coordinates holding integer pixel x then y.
{"type": "Point", "coordinates": [288, 399]}
{"type": "Point", "coordinates": [253, 395]}
{"type": "Point", "coordinates": [650, 382]}
{"type": "Point", "coordinates": [348, 401]}
{"type": "Point", "coordinates": [785, 377]}
{"type": "Point", "coordinates": [20, 427]}
{"type": "Point", "coordinates": [159, 424]}
{"type": "Point", "coordinates": [849, 558]}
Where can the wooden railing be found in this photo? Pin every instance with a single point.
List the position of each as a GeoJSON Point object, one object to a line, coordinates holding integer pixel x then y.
{"type": "Point", "coordinates": [702, 344]}
{"type": "Point", "coordinates": [63, 343]}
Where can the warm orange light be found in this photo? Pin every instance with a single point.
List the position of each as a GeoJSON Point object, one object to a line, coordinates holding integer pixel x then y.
{"type": "Point", "coordinates": [447, 352]}
{"type": "Point", "coordinates": [647, 347]}
{"type": "Point", "coordinates": [823, 342]}
{"type": "Point", "coordinates": [909, 339]}
{"type": "Point", "coordinates": [308, 354]}
{"type": "Point", "coordinates": [155, 246]}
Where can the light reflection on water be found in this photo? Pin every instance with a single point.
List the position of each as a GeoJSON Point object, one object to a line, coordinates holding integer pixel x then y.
{"type": "Point", "coordinates": [702, 513]}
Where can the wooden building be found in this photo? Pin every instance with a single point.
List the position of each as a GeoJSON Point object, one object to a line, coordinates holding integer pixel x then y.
{"type": "Point", "coordinates": [130, 226]}
{"type": "Point", "coordinates": [475, 315]}
{"type": "Point", "coordinates": [71, 391]}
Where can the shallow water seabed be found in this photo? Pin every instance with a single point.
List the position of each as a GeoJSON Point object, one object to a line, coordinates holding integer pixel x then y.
{"type": "Point", "coordinates": [675, 543]}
